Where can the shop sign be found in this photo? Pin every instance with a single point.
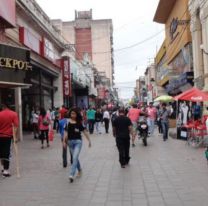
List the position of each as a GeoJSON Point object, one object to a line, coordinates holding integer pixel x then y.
{"type": "Point", "coordinates": [14, 58]}
{"type": "Point", "coordinates": [14, 64]}
{"type": "Point", "coordinates": [174, 26]}
{"type": "Point", "coordinates": [101, 92]}
{"type": "Point", "coordinates": [182, 80]}
{"type": "Point", "coordinates": [27, 38]}
{"type": "Point", "coordinates": [66, 78]}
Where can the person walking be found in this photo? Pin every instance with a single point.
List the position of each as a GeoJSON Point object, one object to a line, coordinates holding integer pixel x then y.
{"type": "Point", "coordinates": [35, 118]}
{"type": "Point", "coordinates": [98, 120]}
{"type": "Point", "coordinates": [159, 124]}
{"type": "Point", "coordinates": [62, 126]}
{"type": "Point", "coordinates": [8, 124]}
{"type": "Point", "coordinates": [164, 115]}
{"type": "Point", "coordinates": [134, 114]}
{"type": "Point", "coordinates": [44, 122]}
{"type": "Point", "coordinates": [151, 117]}
{"type": "Point", "coordinates": [106, 119]}
{"type": "Point", "coordinates": [122, 127]}
{"type": "Point", "coordinates": [74, 140]}
{"type": "Point", "coordinates": [91, 119]}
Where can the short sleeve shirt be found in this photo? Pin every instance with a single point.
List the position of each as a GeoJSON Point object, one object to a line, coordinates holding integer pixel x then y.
{"type": "Point", "coordinates": [121, 125]}
{"type": "Point", "coordinates": [8, 118]}
{"type": "Point", "coordinates": [74, 131]}
{"type": "Point", "coordinates": [134, 114]}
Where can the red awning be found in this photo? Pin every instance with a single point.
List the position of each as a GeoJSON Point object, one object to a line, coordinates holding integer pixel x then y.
{"type": "Point", "coordinates": [193, 94]}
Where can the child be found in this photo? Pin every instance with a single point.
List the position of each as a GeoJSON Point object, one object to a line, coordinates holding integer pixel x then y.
{"type": "Point", "coordinates": [206, 154]}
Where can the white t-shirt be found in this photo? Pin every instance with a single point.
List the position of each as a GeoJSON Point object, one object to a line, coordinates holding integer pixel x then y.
{"type": "Point", "coordinates": [35, 118]}
{"type": "Point", "coordinates": [106, 115]}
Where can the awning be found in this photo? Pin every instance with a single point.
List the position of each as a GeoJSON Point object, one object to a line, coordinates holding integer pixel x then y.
{"type": "Point", "coordinates": [13, 85]}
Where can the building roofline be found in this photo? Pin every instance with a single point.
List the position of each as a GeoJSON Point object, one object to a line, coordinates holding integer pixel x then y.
{"type": "Point", "coordinates": [163, 11]}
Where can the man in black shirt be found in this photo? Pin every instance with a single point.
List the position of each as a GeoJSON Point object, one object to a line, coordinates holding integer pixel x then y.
{"type": "Point", "coordinates": [122, 127]}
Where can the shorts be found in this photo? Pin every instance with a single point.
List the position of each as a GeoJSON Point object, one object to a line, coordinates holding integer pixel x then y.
{"type": "Point", "coordinates": [134, 126]}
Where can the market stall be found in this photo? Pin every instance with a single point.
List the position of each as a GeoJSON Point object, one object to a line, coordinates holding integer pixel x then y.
{"type": "Point", "coordinates": [190, 119]}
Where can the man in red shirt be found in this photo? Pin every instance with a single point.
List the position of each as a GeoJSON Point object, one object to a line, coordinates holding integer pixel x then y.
{"type": "Point", "coordinates": [133, 115]}
{"type": "Point", "coordinates": [8, 121]}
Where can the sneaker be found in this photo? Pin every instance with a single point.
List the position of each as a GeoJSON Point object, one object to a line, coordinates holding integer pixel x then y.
{"type": "Point", "coordinates": [79, 174]}
{"type": "Point", "coordinates": [48, 145]}
{"type": "Point", "coordinates": [42, 147]}
{"type": "Point", "coordinates": [71, 179]}
{"type": "Point", "coordinates": [123, 166]}
{"type": "Point", "coordinates": [6, 174]}
{"type": "Point", "coordinates": [133, 145]}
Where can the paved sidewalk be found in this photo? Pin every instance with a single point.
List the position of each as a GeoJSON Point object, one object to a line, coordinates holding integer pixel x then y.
{"type": "Point", "coordinates": [164, 173]}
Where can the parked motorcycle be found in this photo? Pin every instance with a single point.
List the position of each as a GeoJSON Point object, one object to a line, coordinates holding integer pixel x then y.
{"type": "Point", "coordinates": [143, 130]}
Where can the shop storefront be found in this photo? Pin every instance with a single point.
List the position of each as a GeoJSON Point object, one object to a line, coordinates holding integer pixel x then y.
{"type": "Point", "coordinates": [14, 64]}
{"type": "Point", "coordinates": [176, 65]}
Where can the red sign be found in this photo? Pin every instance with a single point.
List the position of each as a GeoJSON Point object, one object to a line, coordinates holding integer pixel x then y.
{"type": "Point", "coordinates": [8, 13]}
{"type": "Point", "coordinates": [66, 78]}
{"type": "Point", "coordinates": [101, 93]}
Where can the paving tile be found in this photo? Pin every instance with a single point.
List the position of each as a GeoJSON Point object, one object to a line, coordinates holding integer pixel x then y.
{"type": "Point", "coordinates": [157, 175]}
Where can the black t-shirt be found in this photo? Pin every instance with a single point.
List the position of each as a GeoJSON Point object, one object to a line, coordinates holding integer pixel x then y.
{"type": "Point", "coordinates": [74, 131]}
{"type": "Point", "coordinates": [121, 125]}
{"type": "Point", "coordinates": [98, 116]}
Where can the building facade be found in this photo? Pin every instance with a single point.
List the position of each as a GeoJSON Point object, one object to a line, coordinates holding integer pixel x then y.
{"type": "Point", "coordinates": [91, 37]}
{"type": "Point", "coordinates": [174, 60]}
{"type": "Point", "coordinates": [31, 63]}
{"type": "Point", "coordinates": [199, 30]}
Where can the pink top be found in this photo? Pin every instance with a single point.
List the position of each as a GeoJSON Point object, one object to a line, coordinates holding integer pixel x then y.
{"type": "Point", "coordinates": [151, 112]}
{"type": "Point", "coordinates": [134, 114]}
{"type": "Point", "coordinates": [40, 122]}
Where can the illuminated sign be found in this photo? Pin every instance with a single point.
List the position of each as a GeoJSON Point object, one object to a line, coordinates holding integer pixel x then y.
{"type": "Point", "coordinates": [14, 64]}
{"type": "Point", "coordinates": [14, 58]}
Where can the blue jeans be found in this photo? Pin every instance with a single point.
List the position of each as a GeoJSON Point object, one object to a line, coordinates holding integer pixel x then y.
{"type": "Point", "coordinates": [75, 147]}
{"type": "Point", "coordinates": [151, 125]}
{"type": "Point", "coordinates": [165, 127]}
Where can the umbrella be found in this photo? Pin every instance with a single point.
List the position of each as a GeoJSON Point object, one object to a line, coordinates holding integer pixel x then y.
{"type": "Point", "coordinates": [194, 95]}
{"type": "Point", "coordinates": [164, 98]}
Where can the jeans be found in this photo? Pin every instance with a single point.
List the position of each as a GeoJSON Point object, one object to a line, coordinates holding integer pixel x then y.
{"type": "Point", "coordinates": [123, 145]}
{"type": "Point", "coordinates": [97, 126]}
{"type": "Point", "coordinates": [151, 125]}
{"type": "Point", "coordinates": [91, 123]}
{"type": "Point", "coordinates": [75, 147]}
{"type": "Point", "coordinates": [106, 121]}
{"type": "Point", "coordinates": [165, 127]}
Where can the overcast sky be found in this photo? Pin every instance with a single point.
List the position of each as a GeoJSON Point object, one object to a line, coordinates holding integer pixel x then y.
{"type": "Point", "coordinates": [132, 22]}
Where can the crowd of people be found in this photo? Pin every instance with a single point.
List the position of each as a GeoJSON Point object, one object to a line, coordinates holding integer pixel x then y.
{"type": "Point", "coordinates": [72, 123]}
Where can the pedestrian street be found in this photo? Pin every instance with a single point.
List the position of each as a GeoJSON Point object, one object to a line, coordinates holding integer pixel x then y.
{"type": "Point", "coordinates": [163, 173]}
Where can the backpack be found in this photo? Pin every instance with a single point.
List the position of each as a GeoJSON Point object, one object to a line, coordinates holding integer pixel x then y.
{"type": "Point", "coordinates": [114, 116]}
{"type": "Point", "coordinates": [45, 122]}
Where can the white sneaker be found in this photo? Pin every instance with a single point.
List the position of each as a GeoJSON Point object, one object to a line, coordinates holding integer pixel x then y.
{"type": "Point", "coordinates": [71, 179]}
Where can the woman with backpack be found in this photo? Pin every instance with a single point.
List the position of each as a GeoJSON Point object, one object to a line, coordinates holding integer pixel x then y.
{"type": "Point", "coordinates": [44, 122]}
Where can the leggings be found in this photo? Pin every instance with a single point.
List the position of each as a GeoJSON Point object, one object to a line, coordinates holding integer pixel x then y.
{"type": "Point", "coordinates": [44, 135]}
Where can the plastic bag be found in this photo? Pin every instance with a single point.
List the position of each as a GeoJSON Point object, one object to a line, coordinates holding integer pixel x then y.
{"type": "Point", "coordinates": [51, 135]}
